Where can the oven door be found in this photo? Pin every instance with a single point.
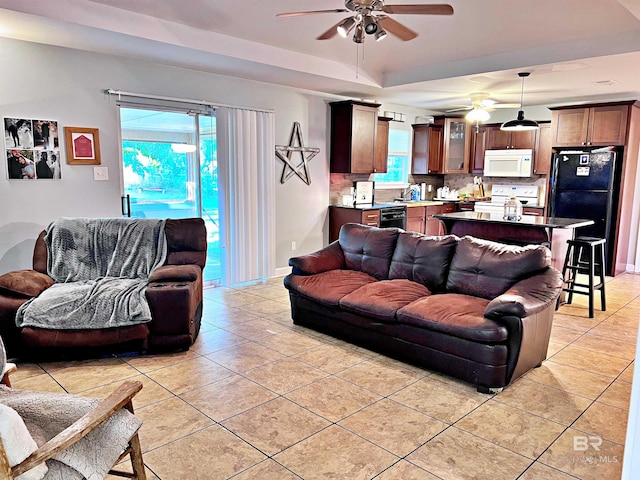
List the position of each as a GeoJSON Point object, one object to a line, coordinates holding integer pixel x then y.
{"type": "Point", "coordinates": [393, 217]}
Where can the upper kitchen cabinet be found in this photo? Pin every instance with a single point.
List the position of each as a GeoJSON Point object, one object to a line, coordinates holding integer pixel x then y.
{"type": "Point", "coordinates": [353, 137]}
{"type": "Point", "coordinates": [542, 153]}
{"type": "Point", "coordinates": [380, 161]}
{"type": "Point", "coordinates": [503, 139]}
{"type": "Point", "coordinates": [478, 146]}
{"type": "Point", "coordinates": [456, 144]}
{"type": "Point", "coordinates": [591, 125]}
{"type": "Point", "coordinates": [426, 154]}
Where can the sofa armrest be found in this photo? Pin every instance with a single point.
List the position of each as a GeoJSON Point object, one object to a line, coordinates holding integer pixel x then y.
{"type": "Point", "coordinates": [527, 297]}
{"type": "Point", "coordinates": [329, 258]}
{"type": "Point", "coordinates": [25, 283]}
{"type": "Point", "coordinates": [175, 273]}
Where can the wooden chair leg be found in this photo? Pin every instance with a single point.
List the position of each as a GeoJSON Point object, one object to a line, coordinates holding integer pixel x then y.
{"type": "Point", "coordinates": [136, 458]}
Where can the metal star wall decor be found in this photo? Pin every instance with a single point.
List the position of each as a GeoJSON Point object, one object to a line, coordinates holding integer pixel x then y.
{"type": "Point", "coordinates": [285, 153]}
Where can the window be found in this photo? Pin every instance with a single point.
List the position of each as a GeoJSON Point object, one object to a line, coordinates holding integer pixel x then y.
{"type": "Point", "coordinates": [397, 162]}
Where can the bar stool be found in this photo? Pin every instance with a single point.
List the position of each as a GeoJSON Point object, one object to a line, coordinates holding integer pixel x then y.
{"type": "Point", "coordinates": [585, 255]}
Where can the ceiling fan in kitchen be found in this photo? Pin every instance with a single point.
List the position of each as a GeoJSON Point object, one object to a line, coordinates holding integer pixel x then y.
{"type": "Point", "coordinates": [369, 17]}
{"type": "Point", "coordinates": [480, 107]}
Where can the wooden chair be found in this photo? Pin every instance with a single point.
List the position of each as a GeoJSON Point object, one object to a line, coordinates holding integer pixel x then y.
{"type": "Point", "coordinates": [121, 398]}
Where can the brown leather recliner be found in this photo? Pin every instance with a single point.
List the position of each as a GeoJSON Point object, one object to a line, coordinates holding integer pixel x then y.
{"type": "Point", "coordinates": [174, 294]}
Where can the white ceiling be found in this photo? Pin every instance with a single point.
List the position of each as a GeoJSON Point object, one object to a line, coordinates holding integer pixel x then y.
{"type": "Point", "coordinates": [569, 46]}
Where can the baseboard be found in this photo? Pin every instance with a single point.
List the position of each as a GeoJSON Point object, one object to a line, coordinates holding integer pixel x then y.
{"type": "Point", "coordinates": [282, 271]}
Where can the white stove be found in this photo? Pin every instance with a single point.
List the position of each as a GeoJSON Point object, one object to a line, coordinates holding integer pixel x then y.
{"type": "Point", "coordinates": [527, 194]}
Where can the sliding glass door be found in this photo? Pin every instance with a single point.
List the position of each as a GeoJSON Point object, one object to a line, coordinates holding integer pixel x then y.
{"type": "Point", "coordinates": [170, 170]}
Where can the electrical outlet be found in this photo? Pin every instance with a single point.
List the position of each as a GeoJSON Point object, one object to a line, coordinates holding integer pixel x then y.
{"type": "Point", "coordinates": [293, 246]}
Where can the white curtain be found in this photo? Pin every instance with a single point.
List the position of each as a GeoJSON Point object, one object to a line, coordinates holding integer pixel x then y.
{"type": "Point", "coordinates": [246, 175]}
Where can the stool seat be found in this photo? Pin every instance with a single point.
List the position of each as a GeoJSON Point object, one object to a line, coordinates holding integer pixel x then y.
{"type": "Point", "coordinates": [585, 255]}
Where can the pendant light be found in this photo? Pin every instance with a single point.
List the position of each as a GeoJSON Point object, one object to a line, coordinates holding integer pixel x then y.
{"type": "Point", "coordinates": [520, 123]}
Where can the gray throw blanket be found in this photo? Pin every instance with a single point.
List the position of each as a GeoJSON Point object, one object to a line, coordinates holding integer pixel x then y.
{"type": "Point", "coordinates": [101, 267]}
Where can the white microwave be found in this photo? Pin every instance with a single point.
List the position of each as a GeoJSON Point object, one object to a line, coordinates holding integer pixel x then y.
{"type": "Point", "coordinates": [508, 163]}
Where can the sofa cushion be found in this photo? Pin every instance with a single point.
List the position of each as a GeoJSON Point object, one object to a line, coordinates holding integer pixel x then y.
{"type": "Point", "coordinates": [423, 259]}
{"type": "Point", "coordinates": [328, 288]}
{"type": "Point", "coordinates": [27, 283]}
{"type": "Point", "coordinates": [453, 314]}
{"type": "Point", "coordinates": [368, 249]}
{"type": "Point", "coordinates": [381, 300]}
{"type": "Point", "coordinates": [482, 268]}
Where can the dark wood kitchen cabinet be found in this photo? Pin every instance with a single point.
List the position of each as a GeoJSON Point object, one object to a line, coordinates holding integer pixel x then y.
{"type": "Point", "coordinates": [415, 219]}
{"type": "Point", "coordinates": [456, 144]}
{"type": "Point", "coordinates": [591, 125]}
{"type": "Point", "coordinates": [353, 137]}
{"type": "Point", "coordinates": [503, 139]}
{"type": "Point", "coordinates": [426, 154]}
{"type": "Point", "coordinates": [382, 146]}
{"type": "Point", "coordinates": [543, 152]}
{"type": "Point", "coordinates": [478, 146]}
{"type": "Point", "coordinates": [338, 216]}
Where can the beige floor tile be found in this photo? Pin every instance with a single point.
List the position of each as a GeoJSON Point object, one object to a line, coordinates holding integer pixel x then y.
{"type": "Point", "coordinates": [333, 398]}
{"type": "Point", "coordinates": [265, 308]}
{"type": "Point", "coordinates": [567, 454]}
{"type": "Point", "coordinates": [564, 335]}
{"type": "Point", "coordinates": [77, 376]}
{"type": "Point", "coordinates": [127, 468]}
{"type": "Point", "coordinates": [335, 453]}
{"type": "Point", "coordinates": [404, 470]}
{"type": "Point", "coordinates": [569, 379]}
{"type": "Point", "coordinates": [151, 391]}
{"type": "Point", "coordinates": [148, 363]}
{"type": "Point", "coordinates": [290, 343]}
{"type": "Point", "coordinates": [554, 348]}
{"type": "Point", "coordinates": [275, 425]}
{"type": "Point", "coordinates": [539, 471]}
{"type": "Point", "coordinates": [511, 428]}
{"type": "Point", "coordinates": [212, 341]}
{"type": "Point", "coordinates": [245, 356]}
{"type": "Point", "coordinates": [332, 358]}
{"type": "Point", "coordinates": [605, 421]}
{"type": "Point", "coordinates": [393, 426]}
{"type": "Point", "coordinates": [238, 300]}
{"type": "Point", "coordinates": [40, 383]}
{"type": "Point", "coordinates": [627, 375]}
{"type": "Point", "coordinates": [447, 456]}
{"type": "Point", "coordinates": [256, 329]}
{"type": "Point", "coordinates": [551, 403]}
{"type": "Point", "coordinates": [185, 376]}
{"type": "Point", "coordinates": [438, 399]}
{"type": "Point", "coordinates": [285, 375]}
{"type": "Point", "coordinates": [168, 420]}
{"type": "Point", "coordinates": [228, 397]}
{"type": "Point", "coordinates": [609, 346]}
{"type": "Point", "coordinates": [617, 395]}
{"type": "Point", "coordinates": [622, 333]}
{"type": "Point", "coordinates": [211, 453]}
{"type": "Point", "coordinates": [594, 362]}
{"type": "Point", "coordinates": [622, 319]}
{"type": "Point", "coordinates": [26, 370]}
{"type": "Point", "coordinates": [379, 377]}
{"type": "Point", "coordinates": [574, 322]}
{"type": "Point", "coordinates": [273, 292]}
{"type": "Point", "coordinates": [267, 470]}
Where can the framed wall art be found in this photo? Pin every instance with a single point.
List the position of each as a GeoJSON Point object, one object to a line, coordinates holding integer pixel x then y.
{"type": "Point", "coordinates": [32, 149]}
{"type": "Point", "coordinates": [83, 146]}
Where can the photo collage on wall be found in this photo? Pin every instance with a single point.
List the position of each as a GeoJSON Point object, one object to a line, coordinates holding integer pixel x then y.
{"type": "Point", "coordinates": [32, 149]}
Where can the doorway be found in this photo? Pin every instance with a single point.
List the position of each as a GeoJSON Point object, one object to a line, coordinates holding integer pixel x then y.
{"type": "Point", "coordinates": [170, 170]}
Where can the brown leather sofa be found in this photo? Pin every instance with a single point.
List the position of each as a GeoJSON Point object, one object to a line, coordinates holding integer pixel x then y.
{"type": "Point", "coordinates": [174, 294]}
{"type": "Point", "coordinates": [478, 310]}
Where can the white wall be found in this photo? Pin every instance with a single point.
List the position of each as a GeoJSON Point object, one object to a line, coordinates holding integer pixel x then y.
{"type": "Point", "coordinates": [46, 82]}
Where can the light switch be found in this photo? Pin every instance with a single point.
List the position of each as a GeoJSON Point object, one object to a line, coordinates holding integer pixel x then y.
{"type": "Point", "coordinates": [100, 173]}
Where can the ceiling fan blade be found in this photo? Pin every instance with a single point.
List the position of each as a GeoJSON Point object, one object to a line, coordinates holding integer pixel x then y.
{"type": "Point", "coordinates": [397, 29]}
{"type": "Point", "coordinates": [505, 105]}
{"type": "Point", "coordinates": [439, 9]}
{"type": "Point", "coordinates": [459, 109]}
{"type": "Point", "coordinates": [333, 31]}
{"type": "Point", "coordinates": [311, 12]}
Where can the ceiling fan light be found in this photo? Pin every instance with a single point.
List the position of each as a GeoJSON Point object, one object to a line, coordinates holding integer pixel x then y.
{"type": "Point", "coordinates": [381, 34]}
{"type": "Point", "coordinates": [345, 26]}
{"type": "Point", "coordinates": [358, 36]}
{"type": "Point", "coordinates": [370, 24]}
{"type": "Point", "coordinates": [520, 123]}
{"type": "Point", "coordinates": [478, 115]}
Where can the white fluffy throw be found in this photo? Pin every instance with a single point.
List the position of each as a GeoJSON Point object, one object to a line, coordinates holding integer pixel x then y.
{"type": "Point", "coordinates": [17, 442]}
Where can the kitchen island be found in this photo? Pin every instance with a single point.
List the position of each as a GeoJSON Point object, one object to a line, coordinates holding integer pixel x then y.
{"type": "Point", "coordinates": [550, 231]}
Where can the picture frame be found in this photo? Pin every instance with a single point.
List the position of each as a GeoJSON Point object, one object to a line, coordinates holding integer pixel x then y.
{"type": "Point", "coordinates": [83, 145]}
{"type": "Point", "coordinates": [363, 193]}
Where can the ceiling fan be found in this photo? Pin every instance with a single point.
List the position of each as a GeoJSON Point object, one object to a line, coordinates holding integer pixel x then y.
{"type": "Point", "coordinates": [368, 17]}
{"type": "Point", "coordinates": [481, 100]}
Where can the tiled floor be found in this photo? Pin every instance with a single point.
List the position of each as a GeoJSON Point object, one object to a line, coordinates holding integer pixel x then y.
{"type": "Point", "coordinates": [259, 398]}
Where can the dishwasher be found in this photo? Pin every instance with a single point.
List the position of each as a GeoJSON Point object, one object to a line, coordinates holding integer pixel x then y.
{"type": "Point", "coordinates": [393, 217]}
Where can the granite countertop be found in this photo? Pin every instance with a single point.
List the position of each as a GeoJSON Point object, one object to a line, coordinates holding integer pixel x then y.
{"type": "Point", "coordinates": [526, 220]}
{"type": "Point", "coordinates": [376, 206]}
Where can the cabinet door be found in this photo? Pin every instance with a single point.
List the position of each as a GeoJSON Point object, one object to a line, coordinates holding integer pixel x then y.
{"type": "Point", "coordinates": [382, 147]}
{"type": "Point", "coordinates": [524, 139]}
{"type": "Point", "coordinates": [569, 127]}
{"type": "Point", "coordinates": [436, 149]}
{"type": "Point", "coordinates": [498, 139]}
{"type": "Point", "coordinates": [478, 146]}
{"type": "Point", "coordinates": [456, 146]}
{"type": "Point", "coordinates": [420, 150]}
{"type": "Point", "coordinates": [363, 138]}
{"type": "Point", "coordinates": [542, 153]}
{"type": "Point", "coordinates": [371, 218]}
{"type": "Point", "coordinates": [607, 125]}
{"type": "Point", "coordinates": [415, 219]}
{"type": "Point", "coordinates": [449, 207]}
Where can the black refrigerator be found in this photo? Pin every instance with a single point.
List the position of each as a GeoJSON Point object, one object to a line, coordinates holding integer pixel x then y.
{"type": "Point", "coordinates": [585, 184]}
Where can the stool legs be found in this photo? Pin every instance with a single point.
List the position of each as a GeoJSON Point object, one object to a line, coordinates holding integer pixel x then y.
{"type": "Point", "coordinates": [585, 256]}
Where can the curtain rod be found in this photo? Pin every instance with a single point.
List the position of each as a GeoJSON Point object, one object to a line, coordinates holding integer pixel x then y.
{"type": "Point", "coordinates": [112, 91]}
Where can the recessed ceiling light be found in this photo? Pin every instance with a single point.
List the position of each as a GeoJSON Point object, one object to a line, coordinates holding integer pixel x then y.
{"type": "Point", "coordinates": [605, 83]}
